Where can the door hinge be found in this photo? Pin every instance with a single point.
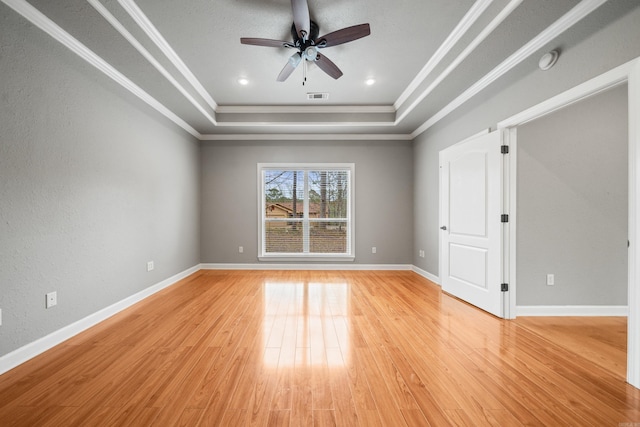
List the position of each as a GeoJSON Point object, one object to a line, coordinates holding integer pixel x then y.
{"type": "Point", "coordinates": [504, 149]}
{"type": "Point", "coordinates": [504, 218]}
{"type": "Point", "coordinates": [504, 287]}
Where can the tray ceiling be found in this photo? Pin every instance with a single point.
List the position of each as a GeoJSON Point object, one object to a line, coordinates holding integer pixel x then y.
{"type": "Point", "coordinates": [427, 58]}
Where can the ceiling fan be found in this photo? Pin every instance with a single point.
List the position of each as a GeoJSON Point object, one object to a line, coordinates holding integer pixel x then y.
{"type": "Point", "coordinates": [307, 43]}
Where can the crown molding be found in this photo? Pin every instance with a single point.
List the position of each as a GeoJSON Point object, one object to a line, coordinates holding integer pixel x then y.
{"type": "Point", "coordinates": [460, 30]}
{"type": "Point", "coordinates": [152, 32]}
{"type": "Point", "coordinates": [117, 25]}
{"type": "Point", "coordinates": [307, 137]}
{"type": "Point", "coordinates": [508, 9]}
{"type": "Point", "coordinates": [305, 124]}
{"type": "Point", "coordinates": [305, 109]}
{"type": "Point", "coordinates": [38, 19]}
{"type": "Point", "coordinates": [582, 9]}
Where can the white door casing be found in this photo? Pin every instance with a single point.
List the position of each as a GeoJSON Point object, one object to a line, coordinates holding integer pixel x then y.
{"type": "Point", "coordinates": [471, 198]}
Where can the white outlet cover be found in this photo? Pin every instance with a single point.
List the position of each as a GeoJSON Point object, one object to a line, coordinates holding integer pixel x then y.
{"type": "Point", "coordinates": [374, 250]}
{"type": "Point", "coordinates": [150, 266]}
{"type": "Point", "coordinates": [52, 299]}
{"type": "Point", "coordinates": [240, 249]}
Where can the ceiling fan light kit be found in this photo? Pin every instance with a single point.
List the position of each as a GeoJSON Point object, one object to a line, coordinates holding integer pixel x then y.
{"type": "Point", "coordinates": [307, 43]}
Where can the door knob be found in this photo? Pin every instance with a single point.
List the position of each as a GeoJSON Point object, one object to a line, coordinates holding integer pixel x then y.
{"type": "Point", "coordinates": [444, 227]}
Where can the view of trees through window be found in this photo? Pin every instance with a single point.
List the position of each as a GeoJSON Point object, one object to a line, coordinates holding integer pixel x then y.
{"type": "Point", "coordinates": [306, 211]}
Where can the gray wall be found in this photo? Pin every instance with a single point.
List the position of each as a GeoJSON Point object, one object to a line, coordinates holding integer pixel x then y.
{"type": "Point", "coordinates": [383, 190]}
{"type": "Point", "coordinates": [521, 88]}
{"type": "Point", "coordinates": [93, 184]}
{"type": "Point", "coordinates": [572, 209]}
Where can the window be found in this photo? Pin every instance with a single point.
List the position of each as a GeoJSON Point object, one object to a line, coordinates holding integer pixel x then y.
{"type": "Point", "coordinates": [306, 211]}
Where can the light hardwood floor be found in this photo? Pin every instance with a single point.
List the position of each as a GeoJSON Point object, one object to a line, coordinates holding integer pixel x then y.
{"type": "Point", "coordinates": [324, 348]}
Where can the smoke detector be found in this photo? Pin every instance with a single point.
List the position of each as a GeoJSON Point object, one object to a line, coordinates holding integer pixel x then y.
{"type": "Point", "coordinates": [548, 60]}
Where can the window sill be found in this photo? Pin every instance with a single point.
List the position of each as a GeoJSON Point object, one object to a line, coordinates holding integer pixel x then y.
{"type": "Point", "coordinates": [308, 258]}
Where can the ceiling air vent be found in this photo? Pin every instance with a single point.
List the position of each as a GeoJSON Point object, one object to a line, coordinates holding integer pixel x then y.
{"type": "Point", "coordinates": [317, 96]}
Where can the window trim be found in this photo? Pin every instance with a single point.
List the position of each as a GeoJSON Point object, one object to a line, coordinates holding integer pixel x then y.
{"type": "Point", "coordinates": [262, 256]}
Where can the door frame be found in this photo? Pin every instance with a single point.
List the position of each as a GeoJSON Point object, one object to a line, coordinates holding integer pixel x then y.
{"type": "Point", "coordinates": [627, 73]}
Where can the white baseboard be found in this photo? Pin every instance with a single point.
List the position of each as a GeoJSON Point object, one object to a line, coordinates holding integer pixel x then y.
{"type": "Point", "coordinates": [33, 349]}
{"type": "Point", "coordinates": [429, 276]}
{"type": "Point", "coordinates": [270, 266]}
{"type": "Point", "coordinates": [572, 310]}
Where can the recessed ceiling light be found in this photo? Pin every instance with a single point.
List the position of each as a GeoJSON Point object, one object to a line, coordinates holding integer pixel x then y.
{"type": "Point", "coordinates": [243, 81]}
{"type": "Point", "coordinates": [370, 82]}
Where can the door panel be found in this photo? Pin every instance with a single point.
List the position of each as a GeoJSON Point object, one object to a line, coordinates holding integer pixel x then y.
{"type": "Point", "coordinates": [467, 193]}
{"type": "Point", "coordinates": [470, 209]}
{"type": "Point", "coordinates": [468, 264]}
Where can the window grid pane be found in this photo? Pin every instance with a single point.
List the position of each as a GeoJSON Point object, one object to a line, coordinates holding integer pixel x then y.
{"type": "Point", "coordinates": [328, 237]}
{"type": "Point", "coordinates": [283, 237]}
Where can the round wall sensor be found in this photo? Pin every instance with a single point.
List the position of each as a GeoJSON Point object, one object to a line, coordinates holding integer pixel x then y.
{"type": "Point", "coordinates": [548, 60]}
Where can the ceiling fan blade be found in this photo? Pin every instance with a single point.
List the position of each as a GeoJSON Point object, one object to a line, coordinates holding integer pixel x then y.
{"type": "Point", "coordinates": [301, 18]}
{"type": "Point", "coordinates": [344, 35]}
{"type": "Point", "coordinates": [264, 42]}
{"type": "Point", "coordinates": [328, 66]}
{"type": "Point", "coordinates": [291, 65]}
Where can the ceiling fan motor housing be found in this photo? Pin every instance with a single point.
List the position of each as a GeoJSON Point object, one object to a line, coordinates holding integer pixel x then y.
{"type": "Point", "coordinates": [314, 30]}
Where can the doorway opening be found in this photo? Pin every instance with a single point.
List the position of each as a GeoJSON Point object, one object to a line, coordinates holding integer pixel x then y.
{"type": "Point", "coordinates": [629, 73]}
{"type": "Point", "coordinates": [573, 226]}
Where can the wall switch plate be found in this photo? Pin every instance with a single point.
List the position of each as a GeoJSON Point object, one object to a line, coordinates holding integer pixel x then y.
{"type": "Point", "coordinates": [421, 253]}
{"type": "Point", "coordinates": [551, 280]}
{"type": "Point", "coordinates": [373, 250]}
{"type": "Point", "coordinates": [150, 266]}
{"type": "Point", "coordinates": [52, 299]}
{"type": "Point", "coordinates": [240, 249]}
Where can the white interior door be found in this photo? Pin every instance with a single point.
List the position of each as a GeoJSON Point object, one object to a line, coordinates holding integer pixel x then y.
{"type": "Point", "coordinates": [471, 224]}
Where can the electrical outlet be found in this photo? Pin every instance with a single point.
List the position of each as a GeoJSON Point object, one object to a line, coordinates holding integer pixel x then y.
{"type": "Point", "coordinates": [150, 266]}
{"type": "Point", "coordinates": [551, 280]}
{"type": "Point", "coordinates": [52, 299]}
{"type": "Point", "coordinates": [0, 317]}
{"type": "Point", "coordinates": [373, 250]}
{"type": "Point", "coordinates": [421, 253]}
{"type": "Point", "coordinates": [240, 249]}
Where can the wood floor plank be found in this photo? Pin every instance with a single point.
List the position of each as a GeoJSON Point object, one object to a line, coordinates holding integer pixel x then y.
{"type": "Point", "coordinates": [324, 418]}
{"type": "Point", "coordinates": [344, 406]}
{"type": "Point", "coordinates": [279, 418]}
{"type": "Point", "coordinates": [304, 348]}
{"type": "Point", "coordinates": [302, 404]}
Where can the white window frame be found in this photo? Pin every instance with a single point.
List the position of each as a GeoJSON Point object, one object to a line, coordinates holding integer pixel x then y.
{"type": "Point", "coordinates": [350, 256]}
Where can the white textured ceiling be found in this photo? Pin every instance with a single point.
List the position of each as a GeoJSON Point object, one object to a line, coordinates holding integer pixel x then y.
{"type": "Point", "coordinates": [184, 58]}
